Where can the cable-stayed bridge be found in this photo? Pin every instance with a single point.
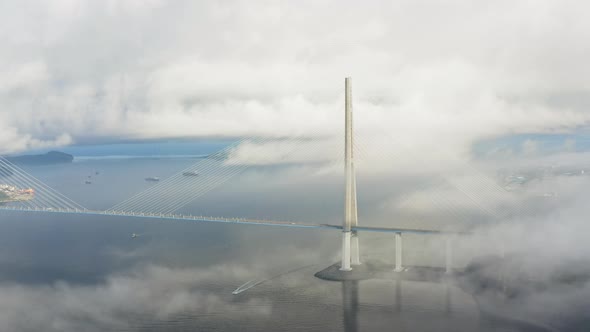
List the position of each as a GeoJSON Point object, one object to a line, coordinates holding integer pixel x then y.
{"type": "Point", "coordinates": [226, 220]}
{"type": "Point", "coordinates": [163, 200]}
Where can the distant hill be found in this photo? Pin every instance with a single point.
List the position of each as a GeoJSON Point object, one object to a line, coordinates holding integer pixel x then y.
{"type": "Point", "coordinates": [49, 158]}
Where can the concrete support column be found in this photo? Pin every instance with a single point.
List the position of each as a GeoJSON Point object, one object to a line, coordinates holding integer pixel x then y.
{"type": "Point", "coordinates": [448, 255]}
{"type": "Point", "coordinates": [398, 252]}
{"type": "Point", "coordinates": [355, 258]}
{"type": "Point", "coordinates": [345, 266]}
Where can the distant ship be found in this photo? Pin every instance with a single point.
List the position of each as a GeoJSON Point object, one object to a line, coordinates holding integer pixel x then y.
{"type": "Point", "coordinates": [88, 182]}
{"type": "Point", "coordinates": [190, 173]}
{"type": "Point", "coordinates": [153, 179]}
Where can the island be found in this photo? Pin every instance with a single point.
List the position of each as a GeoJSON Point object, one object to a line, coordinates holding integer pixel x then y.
{"type": "Point", "coordinates": [49, 158]}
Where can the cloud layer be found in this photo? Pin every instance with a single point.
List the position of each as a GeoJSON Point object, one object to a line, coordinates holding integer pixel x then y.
{"type": "Point", "coordinates": [156, 292]}
{"type": "Point", "coordinates": [76, 71]}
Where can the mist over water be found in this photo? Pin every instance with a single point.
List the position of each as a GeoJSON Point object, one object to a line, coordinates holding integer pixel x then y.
{"type": "Point", "coordinates": [86, 273]}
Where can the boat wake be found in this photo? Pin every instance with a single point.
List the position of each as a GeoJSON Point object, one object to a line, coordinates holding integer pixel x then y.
{"type": "Point", "coordinates": [255, 282]}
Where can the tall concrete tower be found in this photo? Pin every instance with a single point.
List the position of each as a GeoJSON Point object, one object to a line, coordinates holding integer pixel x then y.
{"type": "Point", "coordinates": [349, 237]}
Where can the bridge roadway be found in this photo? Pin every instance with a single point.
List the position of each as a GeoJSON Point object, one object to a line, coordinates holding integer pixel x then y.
{"type": "Point", "coordinates": [242, 221]}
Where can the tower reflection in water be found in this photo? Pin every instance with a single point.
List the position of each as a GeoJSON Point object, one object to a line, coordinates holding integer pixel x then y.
{"type": "Point", "coordinates": [425, 307]}
{"type": "Point", "coordinates": [350, 303]}
{"type": "Point", "coordinates": [434, 299]}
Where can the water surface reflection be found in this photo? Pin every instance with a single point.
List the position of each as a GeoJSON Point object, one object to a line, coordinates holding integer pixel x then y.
{"type": "Point", "coordinates": [86, 273]}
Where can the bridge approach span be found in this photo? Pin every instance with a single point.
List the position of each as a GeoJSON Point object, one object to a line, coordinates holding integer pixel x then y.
{"type": "Point", "coordinates": [242, 221]}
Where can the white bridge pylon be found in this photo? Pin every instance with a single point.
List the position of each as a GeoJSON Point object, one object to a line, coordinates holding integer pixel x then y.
{"type": "Point", "coordinates": [350, 226]}
{"type": "Point", "coordinates": [350, 241]}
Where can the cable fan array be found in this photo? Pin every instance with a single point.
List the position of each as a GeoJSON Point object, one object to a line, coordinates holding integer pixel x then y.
{"type": "Point", "coordinates": [213, 171]}
{"type": "Point", "coordinates": [22, 190]}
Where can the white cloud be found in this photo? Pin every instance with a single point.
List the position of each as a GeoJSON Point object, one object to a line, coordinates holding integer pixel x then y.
{"type": "Point", "coordinates": [153, 291]}
{"type": "Point", "coordinates": [530, 147]}
{"type": "Point", "coordinates": [427, 72]}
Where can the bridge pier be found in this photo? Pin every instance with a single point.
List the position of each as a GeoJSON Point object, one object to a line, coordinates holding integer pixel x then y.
{"type": "Point", "coordinates": [355, 258]}
{"type": "Point", "coordinates": [345, 266]}
{"type": "Point", "coordinates": [398, 253]}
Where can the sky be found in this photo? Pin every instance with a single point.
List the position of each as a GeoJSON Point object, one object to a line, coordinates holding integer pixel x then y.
{"type": "Point", "coordinates": [453, 73]}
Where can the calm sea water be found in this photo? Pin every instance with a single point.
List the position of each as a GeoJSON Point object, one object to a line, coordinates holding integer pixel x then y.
{"type": "Point", "coordinates": [86, 273]}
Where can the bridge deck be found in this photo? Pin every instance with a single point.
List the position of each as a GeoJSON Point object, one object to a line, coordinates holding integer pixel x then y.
{"type": "Point", "coordinates": [243, 221]}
